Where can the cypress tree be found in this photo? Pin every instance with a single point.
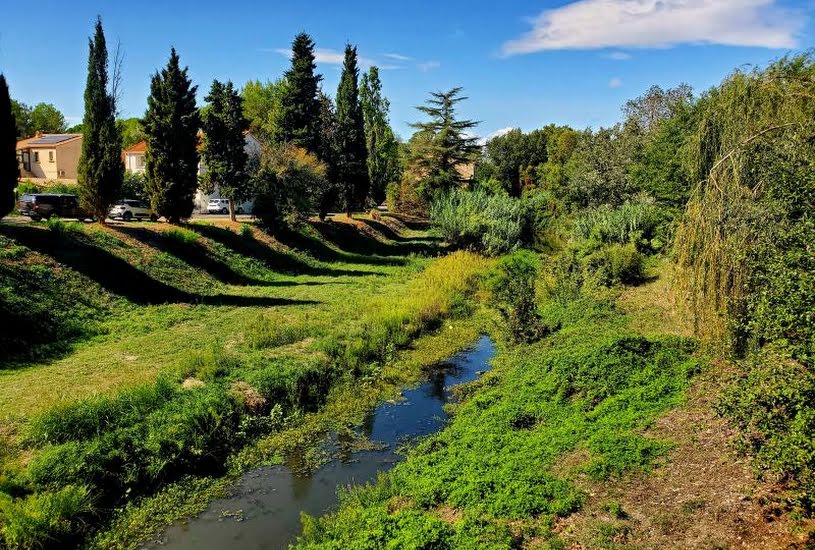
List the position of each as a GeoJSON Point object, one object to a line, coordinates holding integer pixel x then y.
{"type": "Point", "coordinates": [300, 117]}
{"type": "Point", "coordinates": [100, 165]}
{"type": "Point", "coordinates": [328, 154]}
{"type": "Point", "coordinates": [224, 151]}
{"type": "Point", "coordinates": [383, 149]}
{"type": "Point", "coordinates": [9, 171]}
{"type": "Point", "coordinates": [171, 126]}
{"type": "Point", "coordinates": [352, 153]}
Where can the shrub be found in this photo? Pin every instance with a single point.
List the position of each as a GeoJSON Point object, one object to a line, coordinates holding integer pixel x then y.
{"type": "Point", "coordinates": [294, 386]}
{"type": "Point", "coordinates": [512, 285]}
{"type": "Point", "coordinates": [616, 263]}
{"type": "Point", "coordinates": [62, 228]}
{"type": "Point", "coordinates": [773, 405]}
{"type": "Point", "coordinates": [181, 236]}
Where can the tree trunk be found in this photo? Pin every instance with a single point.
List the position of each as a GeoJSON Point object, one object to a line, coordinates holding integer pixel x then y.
{"type": "Point", "coordinates": [348, 212]}
{"type": "Point", "coordinates": [232, 211]}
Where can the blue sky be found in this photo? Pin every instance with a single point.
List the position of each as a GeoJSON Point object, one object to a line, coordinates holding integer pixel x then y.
{"type": "Point", "coordinates": [523, 63]}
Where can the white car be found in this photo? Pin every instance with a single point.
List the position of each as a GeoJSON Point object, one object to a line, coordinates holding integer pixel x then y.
{"type": "Point", "coordinates": [221, 206]}
{"type": "Point", "coordinates": [129, 209]}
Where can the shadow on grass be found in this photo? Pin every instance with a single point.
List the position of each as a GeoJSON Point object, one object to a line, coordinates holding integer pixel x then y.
{"type": "Point", "coordinates": [273, 259]}
{"type": "Point", "coordinates": [118, 276]}
{"type": "Point", "coordinates": [351, 240]}
{"type": "Point", "coordinates": [192, 253]}
{"type": "Point", "coordinates": [393, 235]}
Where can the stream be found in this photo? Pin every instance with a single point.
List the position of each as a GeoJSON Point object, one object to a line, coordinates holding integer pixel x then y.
{"type": "Point", "coordinates": [263, 512]}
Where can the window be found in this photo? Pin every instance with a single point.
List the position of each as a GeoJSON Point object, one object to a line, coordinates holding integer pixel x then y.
{"type": "Point", "coordinates": [140, 161]}
{"type": "Point", "coordinates": [50, 156]}
{"type": "Point", "coordinates": [36, 156]}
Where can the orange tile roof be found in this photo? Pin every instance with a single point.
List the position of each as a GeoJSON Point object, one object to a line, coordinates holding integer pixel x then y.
{"type": "Point", "coordinates": [140, 147]}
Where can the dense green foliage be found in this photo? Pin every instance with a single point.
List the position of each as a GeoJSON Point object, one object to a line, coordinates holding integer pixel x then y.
{"type": "Point", "coordinates": [352, 153]}
{"type": "Point", "coordinates": [8, 150]}
{"type": "Point", "coordinates": [299, 119]}
{"type": "Point", "coordinates": [100, 164]}
{"type": "Point", "coordinates": [171, 126]}
{"type": "Point", "coordinates": [445, 146]}
{"type": "Point", "coordinates": [263, 107]}
{"type": "Point", "coordinates": [224, 150]}
{"type": "Point", "coordinates": [589, 389]}
{"type": "Point", "coordinates": [384, 166]}
{"type": "Point", "coordinates": [131, 131]}
{"type": "Point", "coordinates": [512, 288]}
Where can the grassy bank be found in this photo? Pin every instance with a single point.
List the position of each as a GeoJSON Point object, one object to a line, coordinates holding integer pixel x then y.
{"type": "Point", "coordinates": [570, 406]}
{"type": "Point", "coordinates": [194, 343]}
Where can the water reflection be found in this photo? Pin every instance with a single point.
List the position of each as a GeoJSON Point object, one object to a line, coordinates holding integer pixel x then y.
{"type": "Point", "coordinates": [270, 499]}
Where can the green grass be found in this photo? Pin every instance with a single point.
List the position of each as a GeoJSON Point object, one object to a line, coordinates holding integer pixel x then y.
{"type": "Point", "coordinates": [260, 332]}
{"type": "Point", "coordinates": [574, 404]}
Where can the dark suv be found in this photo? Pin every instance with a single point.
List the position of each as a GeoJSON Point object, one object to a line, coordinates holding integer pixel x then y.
{"type": "Point", "coordinates": [45, 205]}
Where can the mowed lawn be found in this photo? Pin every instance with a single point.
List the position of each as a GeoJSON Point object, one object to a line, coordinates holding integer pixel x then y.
{"type": "Point", "coordinates": [225, 284]}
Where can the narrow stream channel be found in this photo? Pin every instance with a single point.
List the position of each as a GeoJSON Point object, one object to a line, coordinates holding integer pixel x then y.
{"type": "Point", "coordinates": [263, 512]}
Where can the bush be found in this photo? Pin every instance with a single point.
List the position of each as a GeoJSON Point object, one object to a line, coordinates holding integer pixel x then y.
{"type": "Point", "coordinates": [512, 285]}
{"type": "Point", "coordinates": [616, 264]}
{"type": "Point", "coordinates": [773, 405]}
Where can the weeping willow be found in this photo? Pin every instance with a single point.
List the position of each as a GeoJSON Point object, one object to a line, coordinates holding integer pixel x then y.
{"type": "Point", "coordinates": [752, 148]}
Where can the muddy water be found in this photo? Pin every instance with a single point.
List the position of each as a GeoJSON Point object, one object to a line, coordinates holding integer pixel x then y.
{"type": "Point", "coordinates": [264, 509]}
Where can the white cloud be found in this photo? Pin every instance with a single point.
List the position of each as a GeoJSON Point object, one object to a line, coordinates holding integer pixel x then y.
{"type": "Point", "coordinates": [588, 24]}
{"type": "Point", "coordinates": [332, 57]}
{"type": "Point", "coordinates": [428, 66]}
{"type": "Point", "coordinates": [615, 82]}
{"type": "Point", "coordinates": [398, 57]}
{"type": "Point", "coordinates": [496, 133]}
{"type": "Point", "coordinates": [617, 56]}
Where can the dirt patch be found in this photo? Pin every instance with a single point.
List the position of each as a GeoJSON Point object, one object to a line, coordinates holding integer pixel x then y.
{"type": "Point", "coordinates": [449, 514]}
{"type": "Point", "coordinates": [192, 383]}
{"type": "Point", "coordinates": [254, 403]}
{"type": "Point", "coordinates": [704, 497]}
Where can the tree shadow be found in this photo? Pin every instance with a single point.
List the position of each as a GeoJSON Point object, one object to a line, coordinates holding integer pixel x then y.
{"type": "Point", "coordinates": [349, 239]}
{"type": "Point", "coordinates": [281, 262]}
{"type": "Point", "coordinates": [193, 253]}
{"type": "Point", "coordinates": [111, 272]}
{"type": "Point", "coordinates": [411, 222]}
{"type": "Point", "coordinates": [321, 251]}
{"type": "Point", "coordinates": [393, 235]}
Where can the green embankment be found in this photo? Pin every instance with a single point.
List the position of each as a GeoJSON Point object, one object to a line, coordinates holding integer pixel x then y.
{"type": "Point", "coordinates": [145, 358]}
{"type": "Point", "coordinates": [574, 404]}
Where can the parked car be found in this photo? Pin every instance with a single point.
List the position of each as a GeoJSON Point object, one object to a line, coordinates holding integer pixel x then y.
{"type": "Point", "coordinates": [129, 209]}
{"type": "Point", "coordinates": [44, 205]}
{"type": "Point", "coordinates": [221, 206]}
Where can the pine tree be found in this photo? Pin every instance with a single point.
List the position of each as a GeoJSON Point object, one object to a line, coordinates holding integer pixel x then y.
{"type": "Point", "coordinates": [300, 117]}
{"type": "Point", "coordinates": [9, 170]}
{"type": "Point", "coordinates": [100, 166]}
{"type": "Point", "coordinates": [224, 151]}
{"type": "Point", "coordinates": [383, 149]}
{"type": "Point", "coordinates": [448, 146]}
{"type": "Point", "coordinates": [352, 154]}
{"type": "Point", "coordinates": [171, 126]}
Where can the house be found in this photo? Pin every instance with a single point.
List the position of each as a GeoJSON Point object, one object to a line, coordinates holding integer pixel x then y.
{"type": "Point", "coordinates": [50, 157]}
{"type": "Point", "coordinates": [134, 159]}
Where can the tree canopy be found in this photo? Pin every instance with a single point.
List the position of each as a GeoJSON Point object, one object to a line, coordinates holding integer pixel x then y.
{"type": "Point", "coordinates": [299, 122]}
{"type": "Point", "coordinates": [171, 126]}
{"type": "Point", "coordinates": [224, 151]}
{"type": "Point", "coordinates": [100, 164]}
{"type": "Point", "coordinates": [352, 153]}
{"type": "Point", "coordinates": [449, 146]}
{"type": "Point", "coordinates": [8, 144]}
{"type": "Point", "coordinates": [383, 149]}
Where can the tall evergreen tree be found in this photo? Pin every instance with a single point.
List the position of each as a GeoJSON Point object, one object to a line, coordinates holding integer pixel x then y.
{"type": "Point", "coordinates": [171, 126]}
{"type": "Point", "coordinates": [224, 151]}
{"type": "Point", "coordinates": [449, 145]}
{"type": "Point", "coordinates": [328, 154]}
{"type": "Point", "coordinates": [9, 171]}
{"type": "Point", "coordinates": [300, 117]}
{"type": "Point", "coordinates": [383, 149]}
{"type": "Point", "coordinates": [352, 153]}
{"type": "Point", "coordinates": [100, 166]}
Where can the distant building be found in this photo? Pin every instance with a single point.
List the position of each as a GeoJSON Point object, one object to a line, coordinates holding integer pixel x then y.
{"type": "Point", "coordinates": [134, 159]}
{"type": "Point", "coordinates": [50, 157]}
